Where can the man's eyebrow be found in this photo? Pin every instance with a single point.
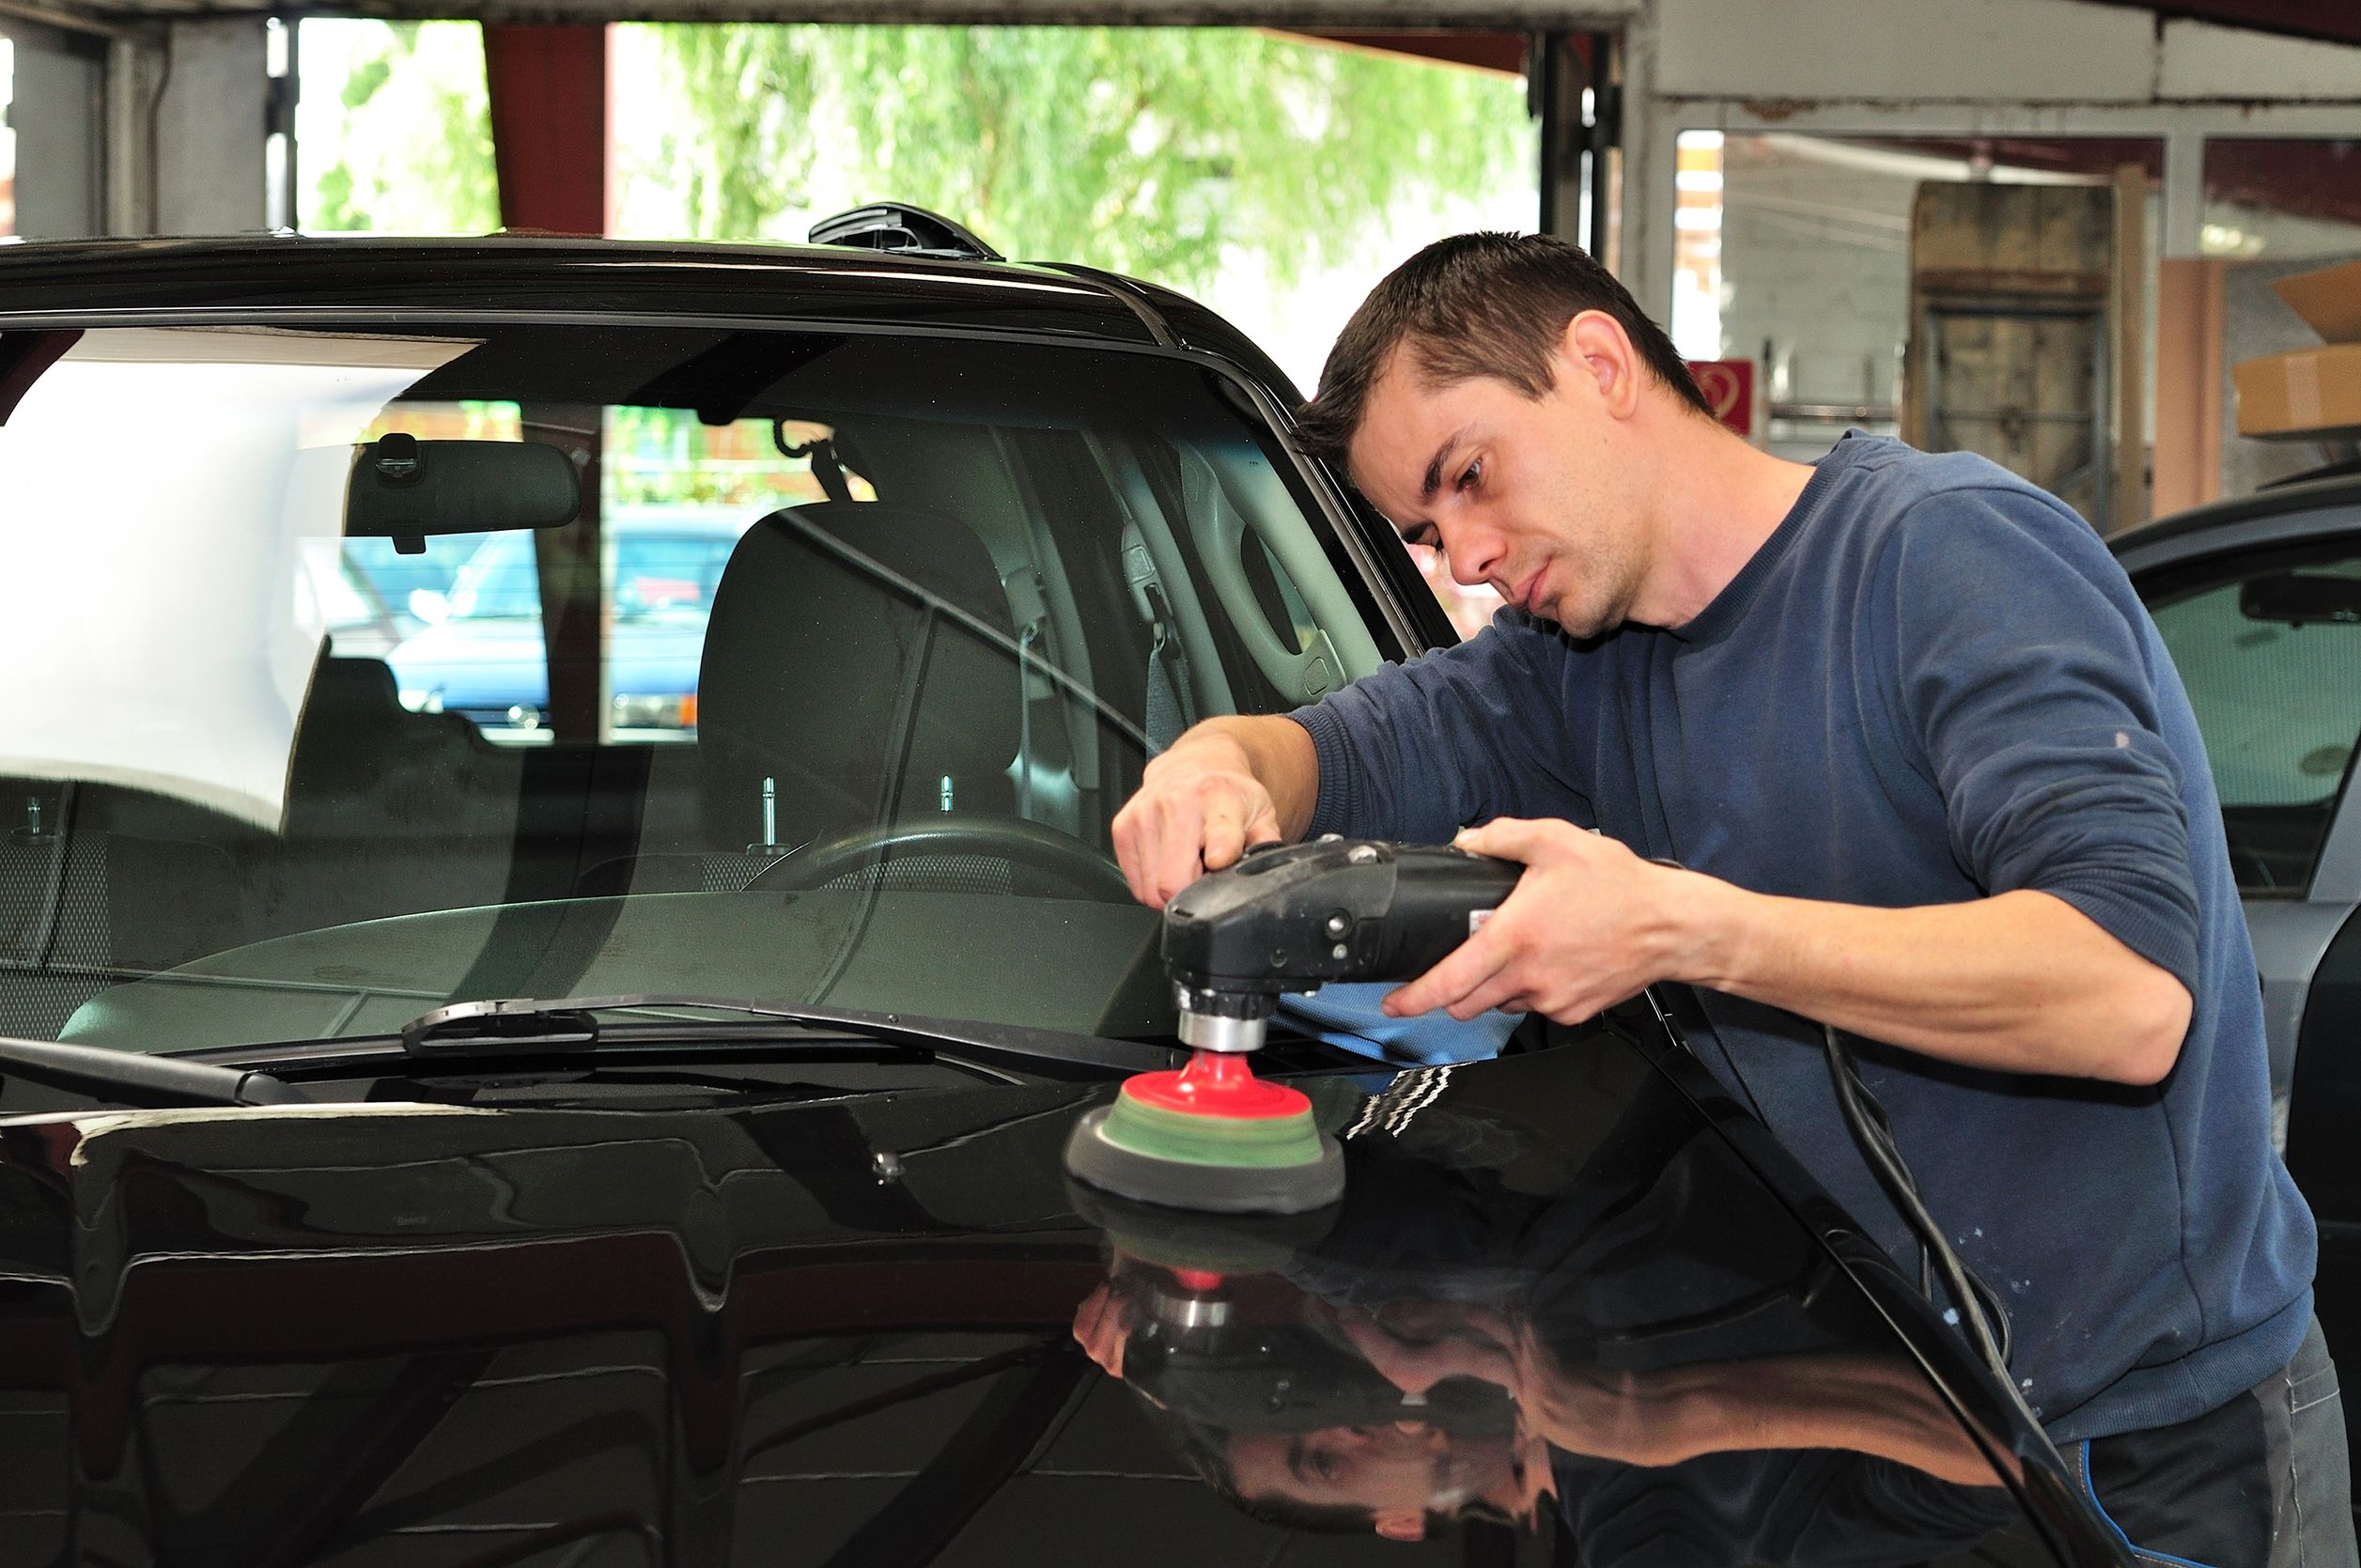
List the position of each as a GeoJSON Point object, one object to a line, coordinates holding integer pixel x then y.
{"type": "Point", "coordinates": [1434, 479]}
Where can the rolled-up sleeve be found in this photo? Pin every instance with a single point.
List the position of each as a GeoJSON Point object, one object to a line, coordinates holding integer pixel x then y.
{"type": "Point", "coordinates": [1417, 750]}
{"type": "Point", "coordinates": [2025, 679]}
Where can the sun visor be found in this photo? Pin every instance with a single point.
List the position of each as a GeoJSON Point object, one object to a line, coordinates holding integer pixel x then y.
{"type": "Point", "coordinates": [172, 496]}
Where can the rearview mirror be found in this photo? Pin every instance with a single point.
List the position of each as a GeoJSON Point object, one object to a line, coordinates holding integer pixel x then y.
{"type": "Point", "coordinates": [2302, 598]}
{"type": "Point", "coordinates": [403, 488]}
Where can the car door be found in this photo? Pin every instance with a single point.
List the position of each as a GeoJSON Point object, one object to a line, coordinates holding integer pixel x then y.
{"type": "Point", "coordinates": [2263, 616]}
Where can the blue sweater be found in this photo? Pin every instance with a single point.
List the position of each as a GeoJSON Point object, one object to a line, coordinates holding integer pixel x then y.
{"type": "Point", "coordinates": [1931, 684]}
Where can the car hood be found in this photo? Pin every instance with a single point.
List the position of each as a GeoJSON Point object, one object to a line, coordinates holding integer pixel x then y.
{"type": "Point", "coordinates": [854, 1331]}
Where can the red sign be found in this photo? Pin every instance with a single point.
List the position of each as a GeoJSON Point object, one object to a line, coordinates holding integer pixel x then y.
{"type": "Point", "coordinates": [1729, 388]}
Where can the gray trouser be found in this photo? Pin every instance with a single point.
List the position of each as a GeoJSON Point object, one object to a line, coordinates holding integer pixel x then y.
{"type": "Point", "coordinates": [2261, 1483]}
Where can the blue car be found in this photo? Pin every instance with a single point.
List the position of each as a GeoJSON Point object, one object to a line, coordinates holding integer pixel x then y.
{"type": "Point", "coordinates": [486, 657]}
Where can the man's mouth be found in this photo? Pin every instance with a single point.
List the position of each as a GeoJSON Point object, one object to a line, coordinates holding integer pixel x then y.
{"type": "Point", "coordinates": [1523, 595]}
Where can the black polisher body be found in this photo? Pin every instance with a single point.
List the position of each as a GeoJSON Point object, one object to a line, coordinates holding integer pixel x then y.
{"type": "Point", "coordinates": [1299, 916]}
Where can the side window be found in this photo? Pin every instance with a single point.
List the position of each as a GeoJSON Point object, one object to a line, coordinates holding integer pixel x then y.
{"type": "Point", "coordinates": [2269, 647]}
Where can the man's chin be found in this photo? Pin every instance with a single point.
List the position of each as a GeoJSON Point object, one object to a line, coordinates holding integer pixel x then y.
{"type": "Point", "coordinates": [1580, 627]}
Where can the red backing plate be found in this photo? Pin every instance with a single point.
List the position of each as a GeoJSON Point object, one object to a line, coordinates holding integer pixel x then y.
{"type": "Point", "coordinates": [1217, 1083]}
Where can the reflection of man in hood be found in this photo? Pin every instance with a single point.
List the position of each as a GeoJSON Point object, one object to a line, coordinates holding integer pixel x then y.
{"type": "Point", "coordinates": [1285, 1416]}
{"type": "Point", "coordinates": [1677, 1380]}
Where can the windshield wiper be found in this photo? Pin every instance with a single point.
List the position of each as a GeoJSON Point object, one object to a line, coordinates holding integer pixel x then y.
{"type": "Point", "coordinates": [478, 1033]}
{"type": "Point", "coordinates": [130, 1077]}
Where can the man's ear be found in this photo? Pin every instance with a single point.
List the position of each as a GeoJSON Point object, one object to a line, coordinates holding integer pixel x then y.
{"type": "Point", "coordinates": [1401, 1523]}
{"type": "Point", "coordinates": [1596, 348]}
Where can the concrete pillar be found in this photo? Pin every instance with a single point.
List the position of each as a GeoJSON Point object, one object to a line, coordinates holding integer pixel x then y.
{"type": "Point", "coordinates": [209, 128]}
{"type": "Point", "coordinates": [61, 87]}
{"type": "Point", "coordinates": [1651, 136]}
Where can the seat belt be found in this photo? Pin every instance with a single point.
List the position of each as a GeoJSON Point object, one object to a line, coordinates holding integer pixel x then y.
{"type": "Point", "coordinates": [1172, 701]}
{"type": "Point", "coordinates": [826, 469]}
{"type": "Point", "coordinates": [1030, 612]}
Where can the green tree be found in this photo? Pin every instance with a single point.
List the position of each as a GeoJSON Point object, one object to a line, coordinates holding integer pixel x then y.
{"type": "Point", "coordinates": [412, 151]}
{"type": "Point", "coordinates": [1146, 150]}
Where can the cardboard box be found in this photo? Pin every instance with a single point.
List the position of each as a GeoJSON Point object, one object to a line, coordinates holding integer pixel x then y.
{"type": "Point", "coordinates": [2309, 393]}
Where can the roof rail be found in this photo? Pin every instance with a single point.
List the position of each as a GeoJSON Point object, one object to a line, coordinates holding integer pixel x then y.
{"type": "Point", "coordinates": [898, 228]}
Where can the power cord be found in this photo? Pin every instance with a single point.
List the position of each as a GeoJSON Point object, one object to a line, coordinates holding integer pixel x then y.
{"type": "Point", "coordinates": [1981, 1318]}
{"type": "Point", "coordinates": [1980, 1315]}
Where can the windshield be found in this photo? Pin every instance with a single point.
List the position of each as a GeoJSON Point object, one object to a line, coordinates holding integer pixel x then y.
{"type": "Point", "coordinates": [826, 693]}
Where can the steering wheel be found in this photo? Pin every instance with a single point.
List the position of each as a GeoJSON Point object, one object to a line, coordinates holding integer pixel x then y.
{"type": "Point", "coordinates": [1064, 858]}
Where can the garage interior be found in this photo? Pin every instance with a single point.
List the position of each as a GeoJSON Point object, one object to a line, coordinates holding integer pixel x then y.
{"type": "Point", "coordinates": [2051, 254]}
{"type": "Point", "coordinates": [2042, 231]}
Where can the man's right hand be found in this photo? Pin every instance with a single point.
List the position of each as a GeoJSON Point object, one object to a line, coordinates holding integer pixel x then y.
{"type": "Point", "coordinates": [1199, 806]}
{"type": "Point", "coordinates": [1227, 784]}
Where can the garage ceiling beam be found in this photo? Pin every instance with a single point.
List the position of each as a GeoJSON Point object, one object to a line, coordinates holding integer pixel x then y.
{"type": "Point", "coordinates": [2301, 19]}
{"type": "Point", "coordinates": [1502, 53]}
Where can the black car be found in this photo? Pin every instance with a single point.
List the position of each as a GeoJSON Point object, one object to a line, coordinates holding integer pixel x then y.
{"type": "Point", "coordinates": [398, 1170]}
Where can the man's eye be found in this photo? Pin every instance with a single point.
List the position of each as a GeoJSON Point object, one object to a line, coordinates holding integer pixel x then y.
{"type": "Point", "coordinates": [1470, 475]}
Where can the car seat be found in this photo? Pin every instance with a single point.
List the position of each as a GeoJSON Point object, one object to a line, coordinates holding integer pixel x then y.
{"type": "Point", "coordinates": [388, 812]}
{"type": "Point", "coordinates": [861, 657]}
{"type": "Point", "coordinates": [86, 903]}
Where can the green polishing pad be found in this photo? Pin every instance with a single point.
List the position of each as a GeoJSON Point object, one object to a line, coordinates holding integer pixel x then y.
{"type": "Point", "coordinates": [1199, 1140]}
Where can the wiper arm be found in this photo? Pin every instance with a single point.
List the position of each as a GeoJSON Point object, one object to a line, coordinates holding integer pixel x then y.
{"type": "Point", "coordinates": [131, 1078]}
{"type": "Point", "coordinates": [526, 1025]}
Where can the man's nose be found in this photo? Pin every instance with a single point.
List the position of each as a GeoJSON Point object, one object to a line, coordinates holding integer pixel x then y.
{"type": "Point", "coordinates": [1472, 553]}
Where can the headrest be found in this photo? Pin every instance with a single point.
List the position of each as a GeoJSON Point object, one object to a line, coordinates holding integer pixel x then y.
{"type": "Point", "coordinates": [342, 685]}
{"type": "Point", "coordinates": [821, 670]}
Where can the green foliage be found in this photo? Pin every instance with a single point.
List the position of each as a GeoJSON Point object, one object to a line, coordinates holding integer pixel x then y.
{"type": "Point", "coordinates": [366, 79]}
{"type": "Point", "coordinates": [332, 201]}
{"type": "Point", "coordinates": [1146, 150]}
{"type": "Point", "coordinates": [413, 151]}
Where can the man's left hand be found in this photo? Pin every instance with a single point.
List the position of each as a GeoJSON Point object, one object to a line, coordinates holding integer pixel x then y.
{"type": "Point", "coordinates": [1590, 924]}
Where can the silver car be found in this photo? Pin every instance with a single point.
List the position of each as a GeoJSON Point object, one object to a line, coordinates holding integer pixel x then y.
{"type": "Point", "coordinates": [2260, 600]}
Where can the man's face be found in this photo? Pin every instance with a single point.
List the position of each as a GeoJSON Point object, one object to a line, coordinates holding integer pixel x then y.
{"type": "Point", "coordinates": [1525, 494]}
{"type": "Point", "coordinates": [1398, 1470]}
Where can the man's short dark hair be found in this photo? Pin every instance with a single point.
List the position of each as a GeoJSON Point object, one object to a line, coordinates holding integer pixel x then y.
{"type": "Point", "coordinates": [1476, 304]}
{"type": "Point", "coordinates": [1206, 1450]}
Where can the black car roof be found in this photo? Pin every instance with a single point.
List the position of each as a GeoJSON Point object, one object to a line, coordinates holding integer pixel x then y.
{"type": "Point", "coordinates": [2309, 495]}
{"type": "Point", "coordinates": [511, 271]}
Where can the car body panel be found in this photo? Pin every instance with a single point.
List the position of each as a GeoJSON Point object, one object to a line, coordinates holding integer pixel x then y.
{"type": "Point", "coordinates": [288, 273]}
{"type": "Point", "coordinates": [2289, 940]}
{"type": "Point", "coordinates": [692, 1337]}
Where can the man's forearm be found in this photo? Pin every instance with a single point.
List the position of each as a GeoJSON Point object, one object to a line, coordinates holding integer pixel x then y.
{"type": "Point", "coordinates": [2022, 982]}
